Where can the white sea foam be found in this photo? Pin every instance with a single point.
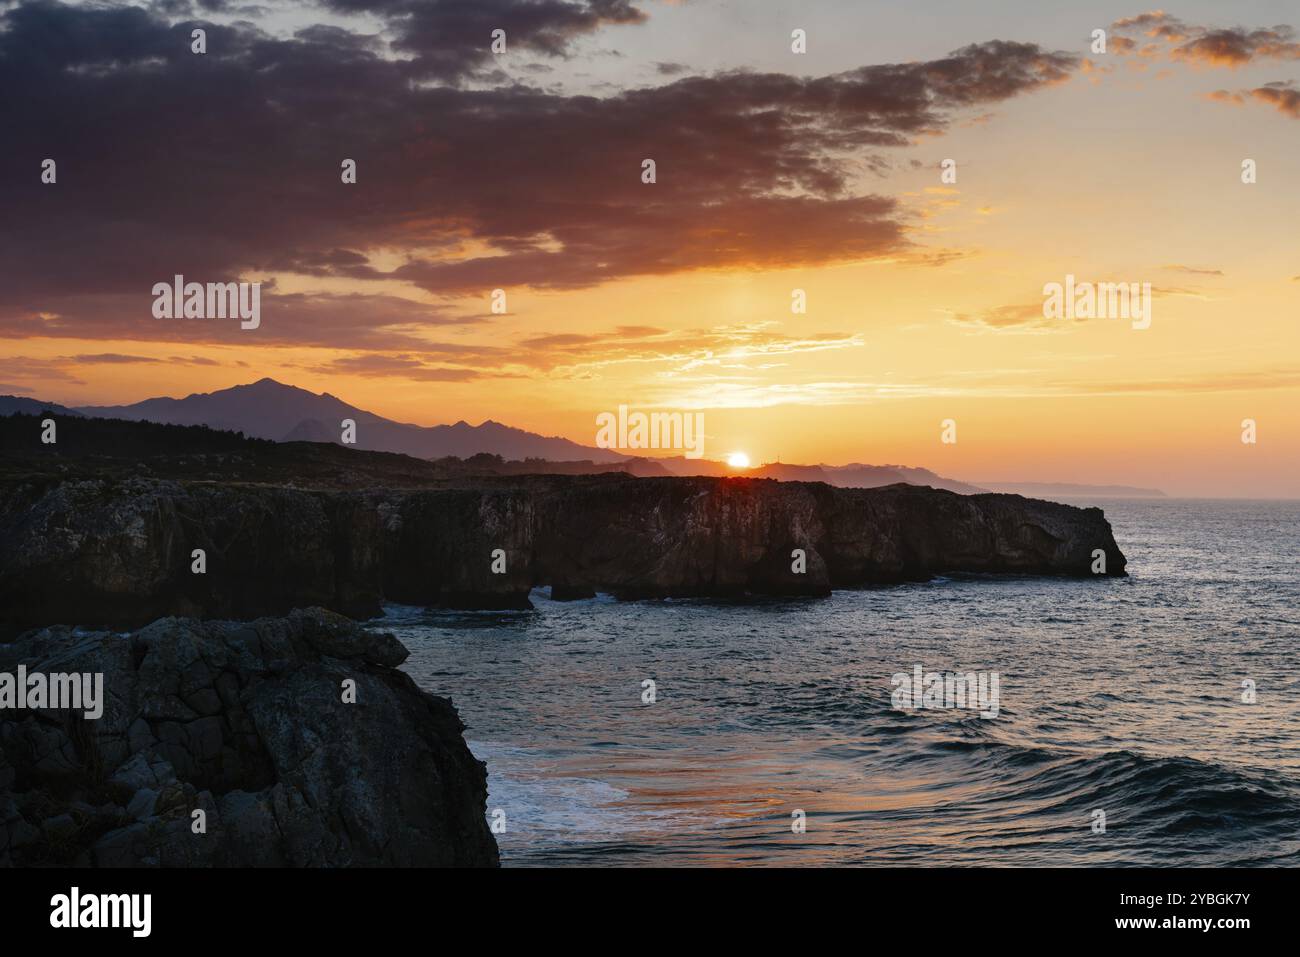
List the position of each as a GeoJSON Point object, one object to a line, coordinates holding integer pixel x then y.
{"type": "Point", "coordinates": [542, 803]}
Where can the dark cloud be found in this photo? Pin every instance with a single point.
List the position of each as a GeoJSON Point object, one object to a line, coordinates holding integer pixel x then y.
{"type": "Point", "coordinates": [63, 369]}
{"type": "Point", "coordinates": [330, 321]}
{"type": "Point", "coordinates": [450, 39]}
{"type": "Point", "coordinates": [228, 163]}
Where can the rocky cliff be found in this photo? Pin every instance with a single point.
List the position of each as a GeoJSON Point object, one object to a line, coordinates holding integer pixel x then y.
{"type": "Point", "coordinates": [120, 553]}
{"type": "Point", "coordinates": [247, 724]}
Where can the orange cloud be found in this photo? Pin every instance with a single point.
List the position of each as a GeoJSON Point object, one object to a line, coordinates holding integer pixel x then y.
{"type": "Point", "coordinates": [1281, 95]}
{"type": "Point", "coordinates": [1204, 46]}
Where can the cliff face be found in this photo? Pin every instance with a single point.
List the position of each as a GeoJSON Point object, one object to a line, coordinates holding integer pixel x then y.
{"type": "Point", "coordinates": [247, 723]}
{"type": "Point", "coordinates": [730, 536]}
{"type": "Point", "coordinates": [99, 553]}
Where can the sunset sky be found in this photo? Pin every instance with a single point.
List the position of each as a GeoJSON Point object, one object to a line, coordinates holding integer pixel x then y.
{"type": "Point", "coordinates": [775, 171]}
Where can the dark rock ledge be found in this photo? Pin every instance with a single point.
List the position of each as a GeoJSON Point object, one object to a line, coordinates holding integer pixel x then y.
{"type": "Point", "coordinates": [104, 553]}
{"type": "Point", "coordinates": [244, 721]}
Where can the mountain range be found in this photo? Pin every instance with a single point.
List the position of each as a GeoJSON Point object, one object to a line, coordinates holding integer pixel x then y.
{"type": "Point", "coordinates": [267, 409]}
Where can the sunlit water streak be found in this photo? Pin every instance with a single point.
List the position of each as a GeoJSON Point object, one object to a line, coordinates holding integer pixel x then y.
{"type": "Point", "coordinates": [1122, 695]}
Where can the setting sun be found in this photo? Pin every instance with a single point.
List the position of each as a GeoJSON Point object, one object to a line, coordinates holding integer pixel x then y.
{"type": "Point", "coordinates": [738, 460]}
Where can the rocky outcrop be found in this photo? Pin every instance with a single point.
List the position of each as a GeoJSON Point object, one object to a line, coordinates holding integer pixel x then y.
{"type": "Point", "coordinates": [246, 723]}
{"type": "Point", "coordinates": [120, 553]}
{"type": "Point", "coordinates": [682, 537]}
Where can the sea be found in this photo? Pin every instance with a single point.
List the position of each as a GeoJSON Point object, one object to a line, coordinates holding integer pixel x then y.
{"type": "Point", "coordinates": [1152, 720]}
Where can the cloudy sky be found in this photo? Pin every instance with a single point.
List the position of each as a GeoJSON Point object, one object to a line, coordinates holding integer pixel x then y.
{"type": "Point", "coordinates": [775, 171]}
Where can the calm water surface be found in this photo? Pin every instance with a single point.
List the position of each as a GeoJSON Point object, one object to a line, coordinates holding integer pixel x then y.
{"type": "Point", "coordinates": [1123, 696]}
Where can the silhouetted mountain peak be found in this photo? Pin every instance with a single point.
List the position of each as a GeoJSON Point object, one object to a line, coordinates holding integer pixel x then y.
{"type": "Point", "coordinates": [269, 386]}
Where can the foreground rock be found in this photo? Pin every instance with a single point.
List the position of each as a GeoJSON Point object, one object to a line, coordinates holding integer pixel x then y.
{"type": "Point", "coordinates": [244, 722]}
{"type": "Point", "coordinates": [120, 553]}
